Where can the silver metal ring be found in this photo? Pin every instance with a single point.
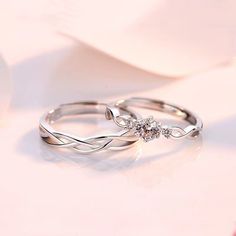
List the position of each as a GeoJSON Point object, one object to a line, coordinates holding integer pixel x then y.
{"type": "Point", "coordinates": [149, 128]}
{"type": "Point", "coordinates": [119, 140]}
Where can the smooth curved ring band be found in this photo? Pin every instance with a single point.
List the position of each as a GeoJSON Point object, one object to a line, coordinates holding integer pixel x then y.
{"type": "Point", "coordinates": [148, 128]}
{"type": "Point", "coordinates": [119, 140]}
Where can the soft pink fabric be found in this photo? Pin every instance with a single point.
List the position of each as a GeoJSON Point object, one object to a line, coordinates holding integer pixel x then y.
{"type": "Point", "coordinates": [166, 37]}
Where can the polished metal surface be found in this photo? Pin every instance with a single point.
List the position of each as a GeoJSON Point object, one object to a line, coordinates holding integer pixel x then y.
{"type": "Point", "coordinates": [121, 112]}
{"type": "Point", "coordinates": [148, 128]}
{"type": "Point", "coordinates": [119, 140]}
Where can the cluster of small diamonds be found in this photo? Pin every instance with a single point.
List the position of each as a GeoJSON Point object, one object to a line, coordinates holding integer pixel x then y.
{"type": "Point", "coordinates": [166, 131]}
{"type": "Point", "coordinates": [148, 129]}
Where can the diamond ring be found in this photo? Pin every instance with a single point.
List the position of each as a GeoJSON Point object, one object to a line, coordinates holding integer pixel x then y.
{"type": "Point", "coordinates": [133, 126]}
{"type": "Point", "coordinates": [149, 128]}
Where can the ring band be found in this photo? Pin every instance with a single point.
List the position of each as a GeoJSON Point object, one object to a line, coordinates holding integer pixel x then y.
{"type": "Point", "coordinates": [133, 127]}
{"type": "Point", "coordinates": [148, 128]}
{"type": "Point", "coordinates": [121, 139]}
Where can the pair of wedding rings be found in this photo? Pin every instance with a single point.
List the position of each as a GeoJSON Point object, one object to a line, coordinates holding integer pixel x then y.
{"type": "Point", "coordinates": [132, 126]}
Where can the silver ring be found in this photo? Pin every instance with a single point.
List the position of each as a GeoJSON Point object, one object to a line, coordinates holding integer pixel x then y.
{"type": "Point", "coordinates": [149, 128]}
{"type": "Point", "coordinates": [119, 140]}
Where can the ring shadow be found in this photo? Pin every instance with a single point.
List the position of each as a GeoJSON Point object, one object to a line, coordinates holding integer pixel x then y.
{"type": "Point", "coordinates": [222, 133]}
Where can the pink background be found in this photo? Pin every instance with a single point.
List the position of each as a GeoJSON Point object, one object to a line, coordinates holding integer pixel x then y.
{"type": "Point", "coordinates": [162, 188]}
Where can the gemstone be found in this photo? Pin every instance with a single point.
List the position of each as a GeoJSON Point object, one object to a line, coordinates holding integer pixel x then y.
{"type": "Point", "coordinates": [166, 132]}
{"type": "Point", "coordinates": [148, 129]}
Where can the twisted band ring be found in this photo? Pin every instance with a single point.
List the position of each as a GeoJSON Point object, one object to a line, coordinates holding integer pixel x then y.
{"type": "Point", "coordinates": [133, 126]}
{"type": "Point", "coordinates": [121, 139]}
